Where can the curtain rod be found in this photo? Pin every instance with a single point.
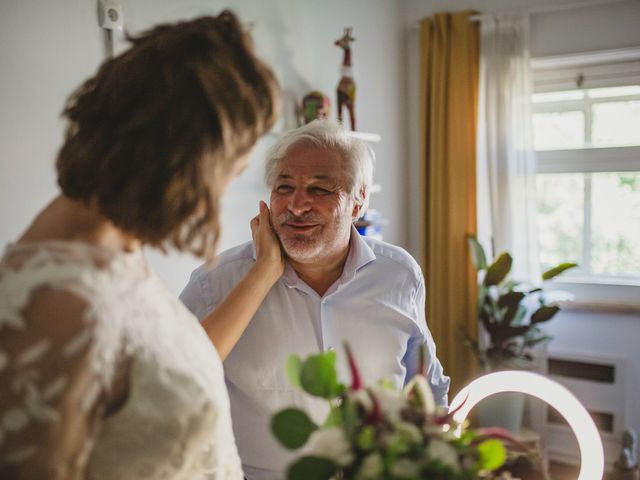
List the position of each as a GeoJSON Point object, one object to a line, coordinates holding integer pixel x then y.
{"type": "Point", "coordinates": [550, 8]}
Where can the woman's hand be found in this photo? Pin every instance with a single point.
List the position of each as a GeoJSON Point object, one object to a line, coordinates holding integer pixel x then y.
{"type": "Point", "coordinates": [268, 250]}
{"type": "Point", "coordinates": [226, 323]}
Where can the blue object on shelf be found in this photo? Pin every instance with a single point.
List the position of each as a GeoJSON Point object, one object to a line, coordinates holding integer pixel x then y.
{"type": "Point", "coordinates": [369, 225]}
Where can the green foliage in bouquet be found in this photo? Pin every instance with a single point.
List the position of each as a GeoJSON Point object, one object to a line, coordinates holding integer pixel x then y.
{"type": "Point", "coordinates": [502, 313]}
{"type": "Point", "coordinates": [378, 432]}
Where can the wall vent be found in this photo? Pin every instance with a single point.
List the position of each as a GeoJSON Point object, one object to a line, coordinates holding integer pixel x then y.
{"type": "Point", "coordinates": [594, 372]}
{"type": "Point", "coordinates": [599, 384]}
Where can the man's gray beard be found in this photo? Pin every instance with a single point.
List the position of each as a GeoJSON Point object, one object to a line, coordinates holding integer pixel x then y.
{"type": "Point", "coordinates": [299, 247]}
{"type": "Point", "coordinates": [302, 249]}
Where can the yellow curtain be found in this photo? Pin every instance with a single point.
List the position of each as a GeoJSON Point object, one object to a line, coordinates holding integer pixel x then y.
{"type": "Point", "coordinates": [449, 68]}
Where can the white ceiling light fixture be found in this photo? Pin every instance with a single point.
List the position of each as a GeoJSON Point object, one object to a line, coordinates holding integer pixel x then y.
{"type": "Point", "coordinates": [556, 395]}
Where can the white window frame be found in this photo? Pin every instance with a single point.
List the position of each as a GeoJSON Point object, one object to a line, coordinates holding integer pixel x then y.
{"type": "Point", "coordinates": [593, 70]}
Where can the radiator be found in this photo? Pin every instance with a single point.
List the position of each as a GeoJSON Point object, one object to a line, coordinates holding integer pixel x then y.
{"type": "Point", "coordinates": [599, 383]}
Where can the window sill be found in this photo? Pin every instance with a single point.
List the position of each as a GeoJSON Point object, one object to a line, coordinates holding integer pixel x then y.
{"type": "Point", "coordinates": [622, 309]}
{"type": "Point", "coordinates": [602, 296]}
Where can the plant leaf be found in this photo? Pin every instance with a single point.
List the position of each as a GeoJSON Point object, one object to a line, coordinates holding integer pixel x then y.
{"type": "Point", "coordinates": [519, 316]}
{"type": "Point", "coordinates": [492, 454]}
{"type": "Point", "coordinates": [510, 301]}
{"type": "Point", "coordinates": [319, 377]}
{"type": "Point", "coordinates": [312, 468]}
{"type": "Point", "coordinates": [292, 427]}
{"type": "Point", "coordinates": [334, 419]}
{"type": "Point", "coordinates": [557, 270]}
{"type": "Point", "coordinates": [478, 257]}
{"type": "Point", "coordinates": [544, 314]}
{"type": "Point", "coordinates": [498, 270]}
{"type": "Point", "coordinates": [293, 367]}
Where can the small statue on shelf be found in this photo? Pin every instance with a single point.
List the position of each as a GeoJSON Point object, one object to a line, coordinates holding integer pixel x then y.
{"type": "Point", "coordinates": [346, 90]}
{"type": "Point", "coordinates": [315, 105]}
{"type": "Point", "coordinates": [626, 466]}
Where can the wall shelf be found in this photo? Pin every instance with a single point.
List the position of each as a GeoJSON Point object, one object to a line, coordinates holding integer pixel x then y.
{"type": "Point", "coordinates": [367, 137]}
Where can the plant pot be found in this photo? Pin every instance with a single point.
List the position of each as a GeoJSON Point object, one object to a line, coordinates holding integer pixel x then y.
{"type": "Point", "coordinates": [503, 410]}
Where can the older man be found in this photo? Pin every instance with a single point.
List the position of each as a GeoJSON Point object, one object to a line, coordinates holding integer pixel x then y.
{"type": "Point", "coordinates": [336, 286]}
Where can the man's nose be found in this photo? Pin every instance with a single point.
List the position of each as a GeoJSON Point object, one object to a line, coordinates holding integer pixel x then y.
{"type": "Point", "coordinates": [299, 202]}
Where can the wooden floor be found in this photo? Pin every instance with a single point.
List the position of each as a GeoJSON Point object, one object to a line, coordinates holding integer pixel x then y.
{"type": "Point", "coordinates": [557, 471]}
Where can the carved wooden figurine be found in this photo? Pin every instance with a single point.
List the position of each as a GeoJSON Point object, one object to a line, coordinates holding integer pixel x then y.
{"type": "Point", "coordinates": [626, 467]}
{"type": "Point", "coordinates": [347, 87]}
{"type": "Point", "coordinates": [315, 104]}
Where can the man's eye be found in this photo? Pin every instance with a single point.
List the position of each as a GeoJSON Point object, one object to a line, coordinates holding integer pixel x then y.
{"type": "Point", "coordinates": [284, 188]}
{"type": "Point", "coordinates": [319, 191]}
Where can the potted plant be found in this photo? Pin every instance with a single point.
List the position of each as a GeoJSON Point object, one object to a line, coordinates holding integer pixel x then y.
{"type": "Point", "coordinates": [510, 314]}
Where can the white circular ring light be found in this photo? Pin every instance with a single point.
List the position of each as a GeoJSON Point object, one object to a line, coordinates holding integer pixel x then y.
{"type": "Point", "coordinates": [589, 441]}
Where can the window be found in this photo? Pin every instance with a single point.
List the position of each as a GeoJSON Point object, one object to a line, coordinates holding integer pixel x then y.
{"type": "Point", "coordinates": [586, 124]}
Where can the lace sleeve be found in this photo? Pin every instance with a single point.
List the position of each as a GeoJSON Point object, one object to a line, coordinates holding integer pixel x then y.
{"type": "Point", "coordinates": [51, 400]}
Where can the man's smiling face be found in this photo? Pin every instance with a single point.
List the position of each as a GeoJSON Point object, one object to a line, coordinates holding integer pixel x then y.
{"type": "Point", "coordinates": [311, 209]}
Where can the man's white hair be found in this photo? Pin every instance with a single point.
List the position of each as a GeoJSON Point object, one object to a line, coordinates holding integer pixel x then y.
{"type": "Point", "coordinates": [358, 157]}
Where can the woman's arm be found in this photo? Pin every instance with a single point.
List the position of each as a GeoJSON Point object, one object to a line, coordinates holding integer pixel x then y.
{"type": "Point", "coordinates": [228, 321]}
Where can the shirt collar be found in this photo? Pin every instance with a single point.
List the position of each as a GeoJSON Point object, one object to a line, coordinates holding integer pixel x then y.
{"type": "Point", "coordinates": [360, 254]}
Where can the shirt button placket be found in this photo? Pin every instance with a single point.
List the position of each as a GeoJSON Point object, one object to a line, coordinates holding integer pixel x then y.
{"type": "Point", "coordinates": [326, 341]}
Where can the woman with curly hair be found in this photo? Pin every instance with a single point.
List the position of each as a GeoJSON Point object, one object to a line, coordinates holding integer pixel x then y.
{"type": "Point", "coordinates": [104, 373]}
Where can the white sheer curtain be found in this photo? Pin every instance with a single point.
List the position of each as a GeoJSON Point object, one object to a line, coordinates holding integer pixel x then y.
{"type": "Point", "coordinates": [506, 162]}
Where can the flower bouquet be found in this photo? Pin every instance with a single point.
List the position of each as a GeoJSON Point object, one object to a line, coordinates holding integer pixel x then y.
{"type": "Point", "coordinates": [378, 432]}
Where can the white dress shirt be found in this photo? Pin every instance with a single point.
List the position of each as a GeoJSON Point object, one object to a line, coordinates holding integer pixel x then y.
{"type": "Point", "coordinates": [377, 305]}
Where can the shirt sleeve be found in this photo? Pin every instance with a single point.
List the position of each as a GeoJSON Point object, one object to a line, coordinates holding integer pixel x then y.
{"type": "Point", "coordinates": [194, 298]}
{"type": "Point", "coordinates": [438, 381]}
{"type": "Point", "coordinates": [51, 399]}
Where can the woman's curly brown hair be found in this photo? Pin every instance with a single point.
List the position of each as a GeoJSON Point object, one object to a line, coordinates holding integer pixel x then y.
{"type": "Point", "coordinates": [149, 134]}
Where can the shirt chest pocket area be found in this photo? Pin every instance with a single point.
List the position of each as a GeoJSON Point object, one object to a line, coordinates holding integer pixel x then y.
{"type": "Point", "coordinates": [258, 361]}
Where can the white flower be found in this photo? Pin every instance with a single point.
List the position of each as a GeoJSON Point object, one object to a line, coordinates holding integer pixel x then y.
{"type": "Point", "coordinates": [329, 443]}
{"type": "Point", "coordinates": [391, 402]}
{"type": "Point", "coordinates": [404, 468]}
{"type": "Point", "coordinates": [444, 452]}
{"type": "Point", "coordinates": [412, 433]}
{"type": "Point", "coordinates": [419, 385]}
{"type": "Point", "coordinates": [363, 398]}
{"type": "Point", "coordinates": [371, 467]}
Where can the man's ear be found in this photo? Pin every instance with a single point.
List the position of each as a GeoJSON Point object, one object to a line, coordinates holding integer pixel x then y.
{"type": "Point", "coordinates": [355, 214]}
{"type": "Point", "coordinates": [357, 207]}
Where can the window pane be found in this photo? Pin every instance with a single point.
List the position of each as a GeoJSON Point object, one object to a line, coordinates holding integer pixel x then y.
{"type": "Point", "coordinates": [616, 124]}
{"type": "Point", "coordinates": [615, 224]}
{"type": "Point", "coordinates": [560, 218]}
{"type": "Point", "coordinates": [614, 91]}
{"type": "Point", "coordinates": [558, 130]}
{"type": "Point", "coordinates": [557, 96]}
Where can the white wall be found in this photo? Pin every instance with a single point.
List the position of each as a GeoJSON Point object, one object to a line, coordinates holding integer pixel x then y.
{"type": "Point", "coordinates": [48, 48]}
{"type": "Point", "coordinates": [609, 25]}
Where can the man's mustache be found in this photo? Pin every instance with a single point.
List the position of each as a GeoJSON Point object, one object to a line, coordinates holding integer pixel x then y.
{"type": "Point", "coordinates": [288, 217]}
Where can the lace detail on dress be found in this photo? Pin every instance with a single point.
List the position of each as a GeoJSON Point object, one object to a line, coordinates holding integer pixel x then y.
{"type": "Point", "coordinates": [71, 317]}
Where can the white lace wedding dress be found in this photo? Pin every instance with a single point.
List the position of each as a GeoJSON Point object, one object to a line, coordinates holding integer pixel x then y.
{"type": "Point", "coordinates": [80, 323]}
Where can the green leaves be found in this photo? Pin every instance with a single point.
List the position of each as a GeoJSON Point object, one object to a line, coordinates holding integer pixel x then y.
{"type": "Point", "coordinates": [318, 376]}
{"type": "Point", "coordinates": [292, 427]}
{"type": "Point", "coordinates": [293, 368]}
{"type": "Point", "coordinates": [504, 309]}
{"type": "Point", "coordinates": [544, 314]}
{"type": "Point", "coordinates": [334, 419]}
{"type": "Point", "coordinates": [498, 270]}
{"type": "Point", "coordinates": [478, 257]}
{"type": "Point", "coordinates": [312, 468]}
{"type": "Point", "coordinates": [492, 455]}
{"type": "Point", "coordinates": [557, 270]}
